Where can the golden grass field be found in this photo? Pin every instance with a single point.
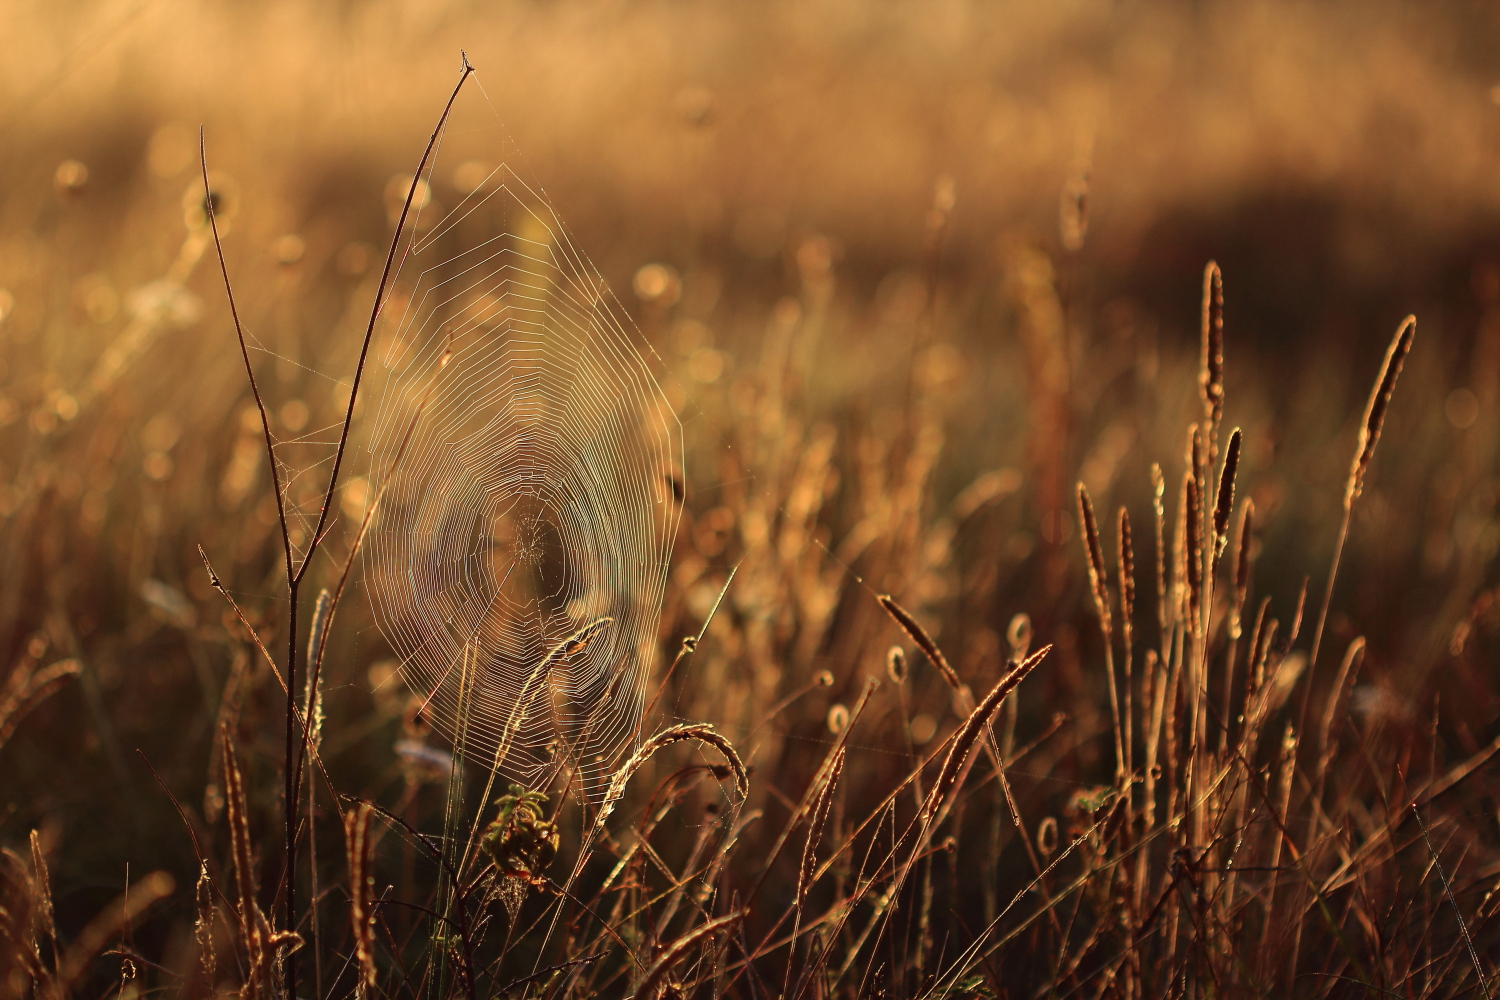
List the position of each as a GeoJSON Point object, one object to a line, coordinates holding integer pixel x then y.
{"type": "Point", "coordinates": [929, 289]}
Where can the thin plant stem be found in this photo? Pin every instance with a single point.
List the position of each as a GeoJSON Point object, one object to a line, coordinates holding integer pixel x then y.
{"type": "Point", "coordinates": [295, 569]}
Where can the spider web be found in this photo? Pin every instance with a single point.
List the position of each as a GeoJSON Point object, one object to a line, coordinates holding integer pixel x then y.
{"type": "Point", "coordinates": [523, 463]}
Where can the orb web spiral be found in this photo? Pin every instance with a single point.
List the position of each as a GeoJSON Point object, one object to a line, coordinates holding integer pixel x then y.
{"type": "Point", "coordinates": [524, 465]}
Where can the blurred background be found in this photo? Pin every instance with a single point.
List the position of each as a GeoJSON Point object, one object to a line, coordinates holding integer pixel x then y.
{"type": "Point", "coordinates": [910, 269]}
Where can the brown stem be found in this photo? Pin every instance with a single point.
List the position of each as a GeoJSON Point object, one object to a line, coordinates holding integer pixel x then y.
{"type": "Point", "coordinates": [292, 768]}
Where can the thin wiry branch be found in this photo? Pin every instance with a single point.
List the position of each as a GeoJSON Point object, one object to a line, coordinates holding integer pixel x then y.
{"type": "Point", "coordinates": [296, 570]}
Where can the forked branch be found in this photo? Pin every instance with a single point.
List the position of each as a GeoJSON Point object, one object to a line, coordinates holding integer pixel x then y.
{"type": "Point", "coordinates": [295, 569]}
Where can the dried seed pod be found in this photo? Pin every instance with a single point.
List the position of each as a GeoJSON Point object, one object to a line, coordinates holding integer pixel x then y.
{"type": "Point", "coordinates": [1211, 365]}
{"type": "Point", "coordinates": [1098, 582]}
{"type": "Point", "coordinates": [1046, 836]}
{"type": "Point", "coordinates": [359, 847]}
{"type": "Point", "coordinates": [1193, 563]}
{"type": "Point", "coordinates": [1018, 634]}
{"type": "Point", "coordinates": [1225, 502]}
{"type": "Point", "coordinates": [895, 665]}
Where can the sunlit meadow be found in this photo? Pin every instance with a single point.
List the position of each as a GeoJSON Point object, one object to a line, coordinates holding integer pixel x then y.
{"type": "Point", "coordinates": [1073, 573]}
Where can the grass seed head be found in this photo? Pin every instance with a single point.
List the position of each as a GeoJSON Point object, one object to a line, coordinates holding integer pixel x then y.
{"type": "Point", "coordinates": [1375, 409]}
